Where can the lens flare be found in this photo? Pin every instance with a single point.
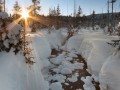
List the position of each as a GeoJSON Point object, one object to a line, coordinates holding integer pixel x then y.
{"type": "Point", "coordinates": [25, 14]}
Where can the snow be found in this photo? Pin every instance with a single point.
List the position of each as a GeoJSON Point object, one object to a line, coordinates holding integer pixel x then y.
{"type": "Point", "coordinates": [56, 86]}
{"type": "Point", "coordinates": [93, 47]}
{"type": "Point", "coordinates": [56, 38]}
{"type": "Point", "coordinates": [3, 15]}
{"type": "Point", "coordinates": [16, 74]}
{"type": "Point", "coordinates": [40, 45]}
{"type": "Point", "coordinates": [101, 58]}
{"type": "Point", "coordinates": [12, 68]}
{"type": "Point", "coordinates": [13, 28]}
{"type": "Point", "coordinates": [110, 75]}
{"type": "Point", "coordinates": [78, 65]}
{"type": "Point", "coordinates": [73, 78]}
{"type": "Point", "coordinates": [74, 43]}
{"type": "Point", "coordinates": [58, 77]}
{"type": "Point", "coordinates": [88, 83]}
{"type": "Point", "coordinates": [66, 71]}
{"type": "Point", "coordinates": [58, 60]}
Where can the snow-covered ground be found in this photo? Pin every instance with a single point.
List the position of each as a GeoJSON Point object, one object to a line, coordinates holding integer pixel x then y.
{"type": "Point", "coordinates": [101, 58]}
{"type": "Point", "coordinates": [17, 75]}
{"type": "Point", "coordinates": [52, 72]}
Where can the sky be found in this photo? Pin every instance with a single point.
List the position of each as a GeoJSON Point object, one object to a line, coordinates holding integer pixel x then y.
{"type": "Point", "coordinates": [67, 6]}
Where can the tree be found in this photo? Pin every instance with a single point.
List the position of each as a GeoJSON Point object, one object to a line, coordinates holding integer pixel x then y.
{"type": "Point", "coordinates": [34, 9]}
{"type": "Point", "coordinates": [52, 12]}
{"type": "Point", "coordinates": [36, 6]}
{"type": "Point", "coordinates": [58, 11]}
{"type": "Point", "coordinates": [17, 10]}
{"type": "Point", "coordinates": [79, 11]}
{"type": "Point", "coordinates": [1, 8]}
{"type": "Point", "coordinates": [93, 19]}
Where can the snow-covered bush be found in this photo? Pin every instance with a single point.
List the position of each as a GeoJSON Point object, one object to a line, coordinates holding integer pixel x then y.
{"type": "Point", "coordinates": [116, 43]}
{"type": "Point", "coordinates": [109, 74]}
{"type": "Point", "coordinates": [10, 38]}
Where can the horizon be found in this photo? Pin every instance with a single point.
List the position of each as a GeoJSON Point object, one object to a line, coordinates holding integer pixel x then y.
{"type": "Point", "coordinates": [66, 6]}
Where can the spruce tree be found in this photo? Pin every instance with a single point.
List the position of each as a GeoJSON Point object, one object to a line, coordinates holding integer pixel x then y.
{"type": "Point", "coordinates": [93, 20]}
{"type": "Point", "coordinates": [58, 10]}
{"type": "Point", "coordinates": [17, 10]}
{"type": "Point", "coordinates": [79, 11]}
{"type": "Point", "coordinates": [36, 6]}
{"type": "Point", "coordinates": [1, 7]}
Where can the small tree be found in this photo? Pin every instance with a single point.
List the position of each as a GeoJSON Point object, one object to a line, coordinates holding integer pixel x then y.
{"type": "Point", "coordinates": [1, 7]}
{"type": "Point", "coordinates": [36, 6]}
{"type": "Point", "coordinates": [52, 12]}
{"type": "Point", "coordinates": [93, 19]}
{"type": "Point", "coordinates": [58, 11]}
{"type": "Point", "coordinates": [79, 11]}
{"type": "Point", "coordinates": [17, 10]}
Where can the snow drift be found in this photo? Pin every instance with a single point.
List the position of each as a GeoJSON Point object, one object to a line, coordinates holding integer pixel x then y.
{"type": "Point", "coordinates": [110, 75]}
{"type": "Point", "coordinates": [17, 75]}
{"type": "Point", "coordinates": [93, 47]}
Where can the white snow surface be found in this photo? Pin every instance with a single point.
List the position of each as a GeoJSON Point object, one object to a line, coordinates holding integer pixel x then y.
{"type": "Point", "coordinates": [17, 75]}
{"type": "Point", "coordinates": [101, 58]}
{"type": "Point", "coordinates": [56, 38]}
{"type": "Point", "coordinates": [88, 83]}
{"type": "Point", "coordinates": [93, 47]}
{"type": "Point", "coordinates": [110, 75]}
{"type": "Point", "coordinates": [56, 86]}
{"type": "Point", "coordinates": [3, 15]}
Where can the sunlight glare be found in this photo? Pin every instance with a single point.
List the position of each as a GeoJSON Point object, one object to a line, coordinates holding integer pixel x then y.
{"type": "Point", "coordinates": [25, 14]}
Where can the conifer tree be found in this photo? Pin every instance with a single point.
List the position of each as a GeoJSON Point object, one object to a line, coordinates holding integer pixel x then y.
{"type": "Point", "coordinates": [1, 7]}
{"type": "Point", "coordinates": [79, 11]}
{"type": "Point", "coordinates": [17, 10]}
{"type": "Point", "coordinates": [93, 19]}
{"type": "Point", "coordinates": [36, 6]}
{"type": "Point", "coordinates": [58, 11]}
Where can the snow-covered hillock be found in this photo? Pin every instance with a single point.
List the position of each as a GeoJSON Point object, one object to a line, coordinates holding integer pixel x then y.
{"type": "Point", "coordinates": [40, 48]}
{"type": "Point", "coordinates": [56, 38]}
{"type": "Point", "coordinates": [93, 47]}
{"type": "Point", "coordinates": [10, 37]}
{"type": "Point", "coordinates": [16, 74]}
{"type": "Point", "coordinates": [110, 75]}
{"type": "Point", "coordinates": [3, 15]}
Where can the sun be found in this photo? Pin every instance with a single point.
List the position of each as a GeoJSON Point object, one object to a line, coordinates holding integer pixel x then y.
{"type": "Point", "coordinates": [25, 14]}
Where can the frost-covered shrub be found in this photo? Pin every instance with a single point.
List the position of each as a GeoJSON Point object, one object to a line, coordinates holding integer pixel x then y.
{"type": "Point", "coordinates": [116, 43]}
{"type": "Point", "coordinates": [10, 38]}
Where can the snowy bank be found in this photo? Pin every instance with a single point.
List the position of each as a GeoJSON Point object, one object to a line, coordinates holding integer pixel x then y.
{"type": "Point", "coordinates": [3, 15]}
{"type": "Point", "coordinates": [93, 47]}
{"type": "Point", "coordinates": [110, 75]}
{"type": "Point", "coordinates": [56, 38]}
{"type": "Point", "coordinates": [17, 75]}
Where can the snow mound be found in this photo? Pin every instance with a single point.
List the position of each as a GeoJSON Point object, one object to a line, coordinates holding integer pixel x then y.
{"type": "Point", "coordinates": [56, 86]}
{"type": "Point", "coordinates": [58, 77]}
{"type": "Point", "coordinates": [74, 43]}
{"type": "Point", "coordinates": [56, 38]}
{"type": "Point", "coordinates": [13, 29]}
{"type": "Point", "coordinates": [40, 46]}
{"type": "Point", "coordinates": [73, 79]}
{"type": "Point", "coordinates": [110, 75]}
{"type": "Point", "coordinates": [15, 73]}
{"type": "Point", "coordinates": [3, 15]}
{"type": "Point", "coordinates": [66, 71]}
{"type": "Point", "coordinates": [93, 47]}
{"type": "Point", "coordinates": [88, 83]}
{"type": "Point", "coordinates": [58, 60]}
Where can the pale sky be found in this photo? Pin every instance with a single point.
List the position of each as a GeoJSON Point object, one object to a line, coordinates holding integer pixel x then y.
{"type": "Point", "coordinates": [67, 6]}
